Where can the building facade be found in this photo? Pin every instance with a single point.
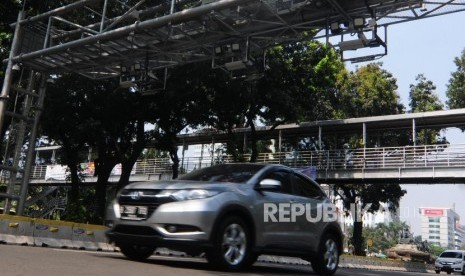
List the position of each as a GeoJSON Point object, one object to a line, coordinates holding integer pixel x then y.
{"type": "Point", "coordinates": [438, 226]}
{"type": "Point", "coordinates": [459, 236]}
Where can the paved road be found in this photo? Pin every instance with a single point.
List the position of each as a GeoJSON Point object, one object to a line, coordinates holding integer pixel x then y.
{"type": "Point", "coordinates": [38, 261]}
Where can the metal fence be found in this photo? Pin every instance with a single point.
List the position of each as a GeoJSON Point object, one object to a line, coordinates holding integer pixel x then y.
{"type": "Point", "coordinates": [363, 158]}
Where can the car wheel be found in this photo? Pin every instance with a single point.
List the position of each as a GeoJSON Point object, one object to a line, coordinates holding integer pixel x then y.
{"type": "Point", "coordinates": [327, 259]}
{"type": "Point", "coordinates": [137, 252]}
{"type": "Point", "coordinates": [231, 246]}
{"type": "Point", "coordinates": [438, 271]}
{"type": "Point", "coordinates": [463, 270]}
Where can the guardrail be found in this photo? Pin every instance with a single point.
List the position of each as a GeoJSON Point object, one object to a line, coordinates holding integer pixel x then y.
{"type": "Point", "coordinates": [41, 232]}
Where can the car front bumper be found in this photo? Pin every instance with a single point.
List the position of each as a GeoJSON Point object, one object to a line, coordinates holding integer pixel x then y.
{"type": "Point", "coordinates": [449, 268]}
{"type": "Point", "coordinates": [176, 225]}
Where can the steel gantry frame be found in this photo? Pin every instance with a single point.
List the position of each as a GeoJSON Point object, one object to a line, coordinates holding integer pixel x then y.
{"type": "Point", "coordinates": [109, 38]}
{"type": "Point", "coordinates": [169, 33]}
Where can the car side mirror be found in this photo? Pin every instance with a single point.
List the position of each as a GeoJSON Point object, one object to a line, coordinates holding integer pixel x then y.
{"type": "Point", "coordinates": [269, 184]}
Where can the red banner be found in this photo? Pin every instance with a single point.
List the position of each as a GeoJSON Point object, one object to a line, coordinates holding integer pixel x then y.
{"type": "Point", "coordinates": [433, 212]}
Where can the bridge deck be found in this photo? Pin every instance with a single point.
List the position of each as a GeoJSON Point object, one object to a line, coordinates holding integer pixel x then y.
{"type": "Point", "coordinates": [419, 164]}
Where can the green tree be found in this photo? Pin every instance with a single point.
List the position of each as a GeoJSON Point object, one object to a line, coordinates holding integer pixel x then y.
{"type": "Point", "coordinates": [8, 14]}
{"type": "Point", "coordinates": [373, 92]}
{"type": "Point", "coordinates": [228, 103]}
{"type": "Point", "coordinates": [182, 104]}
{"type": "Point", "coordinates": [384, 236]}
{"type": "Point", "coordinates": [61, 107]}
{"type": "Point", "coordinates": [456, 88]}
{"type": "Point", "coordinates": [436, 249]}
{"type": "Point", "coordinates": [302, 83]}
{"type": "Point", "coordinates": [369, 91]}
{"type": "Point", "coordinates": [80, 112]}
{"type": "Point", "coordinates": [423, 98]}
{"type": "Point", "coordinates": [366, 197]}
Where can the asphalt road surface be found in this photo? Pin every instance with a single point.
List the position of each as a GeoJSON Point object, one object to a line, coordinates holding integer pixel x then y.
{"type": "Point", "coordinates": [38, 261]}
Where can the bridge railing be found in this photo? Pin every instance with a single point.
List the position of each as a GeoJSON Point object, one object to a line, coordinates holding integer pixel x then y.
{"type": "Point", "coordinates": [368, 158]}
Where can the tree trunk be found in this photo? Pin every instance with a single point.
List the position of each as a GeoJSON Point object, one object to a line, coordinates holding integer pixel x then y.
{"type": "Point", "coordinates": [253, 142]}
{"type": "Point", "coordinates": [174, 157]}
{"type": "Point", "coordinates": [101, 192]}
{"type": "Point", "coordinates": [103, 166]}
{"type": "Point", "coordinates": [357, 239]}
{"type": "Point", "coordinates": [126, 168]}
{"type": "Point", "coordinates": [128, 164]}
{"type": "Point", "coordinates": [73, 199]}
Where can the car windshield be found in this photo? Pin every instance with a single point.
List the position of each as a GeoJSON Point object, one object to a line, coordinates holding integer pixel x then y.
{"type": "Point", "coordinates": [238, 173]}
{"type": "Point", "coordinates": [451, 254]}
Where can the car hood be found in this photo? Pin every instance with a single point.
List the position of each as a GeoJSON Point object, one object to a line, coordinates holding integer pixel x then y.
{"type": "Point", "coordinates": [448, 260]}
{"type": "Point", "coordinates": [184, 184]}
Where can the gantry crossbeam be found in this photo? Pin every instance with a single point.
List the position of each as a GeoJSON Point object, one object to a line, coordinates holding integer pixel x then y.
{"type": "Point", "coordinates": [160, 34]}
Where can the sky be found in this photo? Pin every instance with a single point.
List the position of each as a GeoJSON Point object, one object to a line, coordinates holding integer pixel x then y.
{"type": "Point", "coordinates": [427, 47]}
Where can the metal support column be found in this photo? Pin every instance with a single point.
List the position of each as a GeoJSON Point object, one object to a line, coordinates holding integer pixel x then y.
{"type": "Point", "coordinates": [213, 152]}
{"type": "Point", "coordinates": [364, 141]}
{"type": "Point", "coordinates": [31, 148]}
{"type": "Point", "coordinates": [20, 133]}
{"type": "Point", "coordinates": [414, 132]}
{"type": "Point", "coordinates": [9, 69]}
{"type": "Point", "coordinates": [104, 15]}
{"type": "Point", "coordinates": [320, 134]}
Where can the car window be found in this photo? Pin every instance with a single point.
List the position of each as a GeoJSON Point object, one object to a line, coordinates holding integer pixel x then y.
{"type": "Point", "coordinates": [284, 178]}
{"type": "Point", "coordinates": [451, 254]}
{"type": "Point", "coordinates": [304, 187]}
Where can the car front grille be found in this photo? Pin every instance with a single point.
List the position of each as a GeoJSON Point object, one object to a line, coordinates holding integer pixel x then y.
{"type": "Point", "coordinates": [141, 199]}
{"type": "Point", "coordinates": [135, 230]}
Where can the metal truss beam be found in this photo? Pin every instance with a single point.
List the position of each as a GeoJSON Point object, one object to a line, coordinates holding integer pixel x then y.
{"type": "Point", "coordinates": [182, 31]}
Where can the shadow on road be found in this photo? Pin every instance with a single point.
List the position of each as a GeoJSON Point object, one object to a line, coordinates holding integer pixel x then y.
{"type": "Point", "coordinates": [202, 265]}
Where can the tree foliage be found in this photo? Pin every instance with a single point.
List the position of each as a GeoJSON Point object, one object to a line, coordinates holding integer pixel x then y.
{"type": "Point", "coordinates": [8, 13]}
{"type": "Point", "coordinates": [302, 83]}
{"type": "Point", "coordinates": [384, 236]}
{"type": "Point", "coordinates": [184, 103]}
{"type": "Point", "coordinates": [372, 92]}
{"type": "Point", "coordinates": [456, 88]}
{"type": "Point", "coordinates": [80, 112]}
{"type": "Point", "coordinates": [368, 197]}
{"type": "Point", "coordinates": [424, 98]}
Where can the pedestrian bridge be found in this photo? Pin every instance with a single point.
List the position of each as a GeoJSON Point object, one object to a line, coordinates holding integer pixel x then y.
{"type": "Point", "coordinates": [442, 163]}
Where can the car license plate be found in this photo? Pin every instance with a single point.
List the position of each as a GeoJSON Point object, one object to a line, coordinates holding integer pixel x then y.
{"type": "Point", "coordinates": [135, 212]}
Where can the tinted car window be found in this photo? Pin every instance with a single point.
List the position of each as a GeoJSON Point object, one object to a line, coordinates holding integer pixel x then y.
{"type": "Point", "coordinates": [284, 178]}
{"type": "Point", "coordinates": [304, 187]}
{"type": "Point", "coordinates": [238, 173]}
{"type": "Point", "coordinates": [451, 254]}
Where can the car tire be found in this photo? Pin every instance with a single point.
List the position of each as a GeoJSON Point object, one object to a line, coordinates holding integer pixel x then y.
{"type": "Point", "coordinates": [463, 270]}
{"type": "Point", "coordinates": [232, 244]}
{"type": "Point", "coordinates": [137, 252]}
{"type": "Point", "coordinates": [438, 271]}
{"type": "Point", "coordinates": [327, 258]}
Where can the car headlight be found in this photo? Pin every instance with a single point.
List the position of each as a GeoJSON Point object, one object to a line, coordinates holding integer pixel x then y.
{"type": "Point", "coordinates": [457, 262]}
{"type": "Point", "coordinates": [181, 195]}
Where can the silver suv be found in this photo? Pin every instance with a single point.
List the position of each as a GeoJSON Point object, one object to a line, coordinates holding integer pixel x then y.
{"type": "Point", "coordinates": [232, 213]}
{"type": "Point", "coordinates": [450, 261]}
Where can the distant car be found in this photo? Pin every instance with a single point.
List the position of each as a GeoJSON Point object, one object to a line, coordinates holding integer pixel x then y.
{"type": "Point", "coordinates": [232, 213]}
{"type": "Point", "coordinates": [450, 261]}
